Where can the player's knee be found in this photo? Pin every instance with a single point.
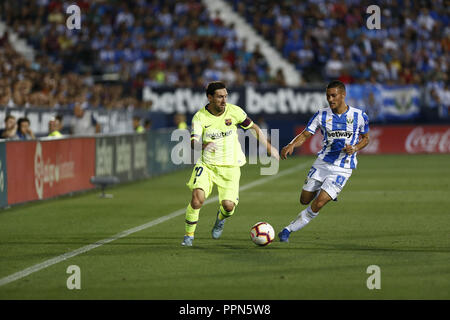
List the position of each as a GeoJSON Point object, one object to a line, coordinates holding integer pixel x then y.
{"type": "Point", "coordinates": [228, 205]}
{"type": "Point", "coordinates": [304, 200]}
{"type": "Point", "coordinates": [198, 197]}
{"type": "Point", "coordinates": [197, 202]}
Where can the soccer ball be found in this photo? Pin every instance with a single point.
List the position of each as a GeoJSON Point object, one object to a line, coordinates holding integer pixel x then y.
{"type": "Point", "coordinates": [262, 234]}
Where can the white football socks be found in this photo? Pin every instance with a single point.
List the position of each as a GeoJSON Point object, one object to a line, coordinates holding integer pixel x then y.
{"type": "Point", "coordinates": [302, 219]}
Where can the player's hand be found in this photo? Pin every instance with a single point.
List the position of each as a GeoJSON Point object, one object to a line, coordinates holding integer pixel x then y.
{"type": "Point", "coordinates": [348, 149]}
{"type": "Point", "coordinates": [274, 153]}
{"type": "Point", "coordinates": [210, 147]}
{"type": "Point", "coordinates": [287, 150]}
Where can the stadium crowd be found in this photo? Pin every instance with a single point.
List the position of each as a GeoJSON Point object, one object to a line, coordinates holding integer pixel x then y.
{"type": "Point", "coordinates": [184, 46]}
{"type": "Point", "coordinates": [181, 44]}
{"type": "Point", "coordinates": [43, 83]}
{"type": "Point", "coordinates": [331, 39]}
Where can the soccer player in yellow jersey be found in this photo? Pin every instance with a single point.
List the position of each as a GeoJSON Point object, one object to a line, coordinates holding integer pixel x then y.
{"type": "Point", "coordinates": [214, 131]}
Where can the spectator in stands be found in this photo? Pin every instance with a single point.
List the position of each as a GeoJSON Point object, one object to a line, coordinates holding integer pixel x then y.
{"type": "Point", "coordinates": [59, 122]}
{"type": "Point", "coordinates": [137, 127]}
{"type": "Point", "coordinates": [121, 39]}
{"type": "Point", "coordinates": [10, 130]}
{"type": "Point", "coordinates": [180, 121]}
{"type": "Point", "coordinates": [6, 96]}
{"type": "Point", "coordinates": [124, 42]}
{"type": "Point", "coordinates": [334, 66]}
{"type": "Point", "coordinates": [416, 27]}
{"type": "Point", "coordinates": [148, 124]}
{"type": "Point", "coordinates": [24, 131]}
{"type": "Point", "coordinates": [54, 127]}
{"type": "Point", "coordinates": [22, 92]}
{"type": "Point", "coordinates": [84, 121]}
{"type": "Point", "coordinates": [437, 101]}
{"type": "Point", "coordinates": [279, 79]}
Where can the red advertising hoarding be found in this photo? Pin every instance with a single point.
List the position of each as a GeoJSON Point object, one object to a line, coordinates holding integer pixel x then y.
{"type": "Point", "coordinates": [394, 139]}
{"type": "Point", "coordinates": [44, 169]}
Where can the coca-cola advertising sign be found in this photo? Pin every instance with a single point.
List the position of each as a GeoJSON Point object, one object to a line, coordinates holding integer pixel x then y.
{"type": "Point", "coordinates": [393, 139]}
{"type": "Point", "coordinates": [422, 139]}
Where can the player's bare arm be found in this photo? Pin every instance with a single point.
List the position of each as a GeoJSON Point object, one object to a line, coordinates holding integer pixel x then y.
{"type": "Point", "coordinates": [296, 142]}
{"type": "Point", "coordinates": [257, 132]}
{"type": "Point", "coordinates": [359, 146]}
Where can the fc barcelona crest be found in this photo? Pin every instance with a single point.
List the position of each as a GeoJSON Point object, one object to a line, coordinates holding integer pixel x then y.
{"type": "Point", "coordinates": [228, 122]}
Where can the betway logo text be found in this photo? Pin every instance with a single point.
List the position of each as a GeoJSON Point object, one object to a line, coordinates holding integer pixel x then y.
{"type": "Point", "coordinates": [283, 100]}
{"type": "Point", "coordinates": [180, 100]}
{"type": "Point", "coordinates": [340, 134]}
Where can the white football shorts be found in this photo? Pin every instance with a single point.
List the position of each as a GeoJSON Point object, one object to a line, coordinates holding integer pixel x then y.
{"type": "Point", "coordinates": [326, 176]}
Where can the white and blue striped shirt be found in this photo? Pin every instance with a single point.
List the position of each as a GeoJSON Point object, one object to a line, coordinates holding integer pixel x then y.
{"type": "Point", "coordinates": [339, 130]}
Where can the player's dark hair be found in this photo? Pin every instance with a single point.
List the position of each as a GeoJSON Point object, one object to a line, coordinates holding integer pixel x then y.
{"type": "Point", "coordinates": [213, 86]}
{"type": "Point", "coordinates": [336, 84]}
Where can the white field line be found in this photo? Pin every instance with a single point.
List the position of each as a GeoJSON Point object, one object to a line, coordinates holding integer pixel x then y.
{"type": "Point", "coordinates": [37, 267]}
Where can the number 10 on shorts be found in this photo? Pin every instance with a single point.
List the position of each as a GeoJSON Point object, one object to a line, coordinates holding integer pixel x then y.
{"type": "Point", "coordinates": [198, 172]}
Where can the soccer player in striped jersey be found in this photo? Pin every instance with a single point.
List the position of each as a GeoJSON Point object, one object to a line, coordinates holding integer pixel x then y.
{"type": "Point", "coordinates": [214, 132]}
{"type": "Point", "coordinates": [345, 131]}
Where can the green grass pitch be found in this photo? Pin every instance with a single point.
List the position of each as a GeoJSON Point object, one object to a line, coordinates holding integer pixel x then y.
{"type": "Point", "coordinates": [393, 213]}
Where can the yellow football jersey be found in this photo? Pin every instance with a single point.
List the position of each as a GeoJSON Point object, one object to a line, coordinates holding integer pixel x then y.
{"type": "Point", "coordinates": [222, 130]}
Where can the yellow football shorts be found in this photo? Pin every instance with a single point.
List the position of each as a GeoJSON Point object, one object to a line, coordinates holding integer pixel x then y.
{"type": "Point", "coordinates": [225, 177]}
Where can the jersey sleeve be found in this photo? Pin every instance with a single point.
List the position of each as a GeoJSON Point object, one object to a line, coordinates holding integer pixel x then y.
{"type": "Point", "coordinates": [364, 128]}
{"type": "Point", "coordinates": [196, 128]}
{"type": "Point", "coordinates": [242, 119]}
{"type": "Point", "coordinates": [313, 123]}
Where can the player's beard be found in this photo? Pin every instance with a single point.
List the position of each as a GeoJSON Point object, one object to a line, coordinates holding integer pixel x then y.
{"type": "Point", "coordinates": [219, 107]}
{"type": "Point", "coordinates": [336, 105]}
